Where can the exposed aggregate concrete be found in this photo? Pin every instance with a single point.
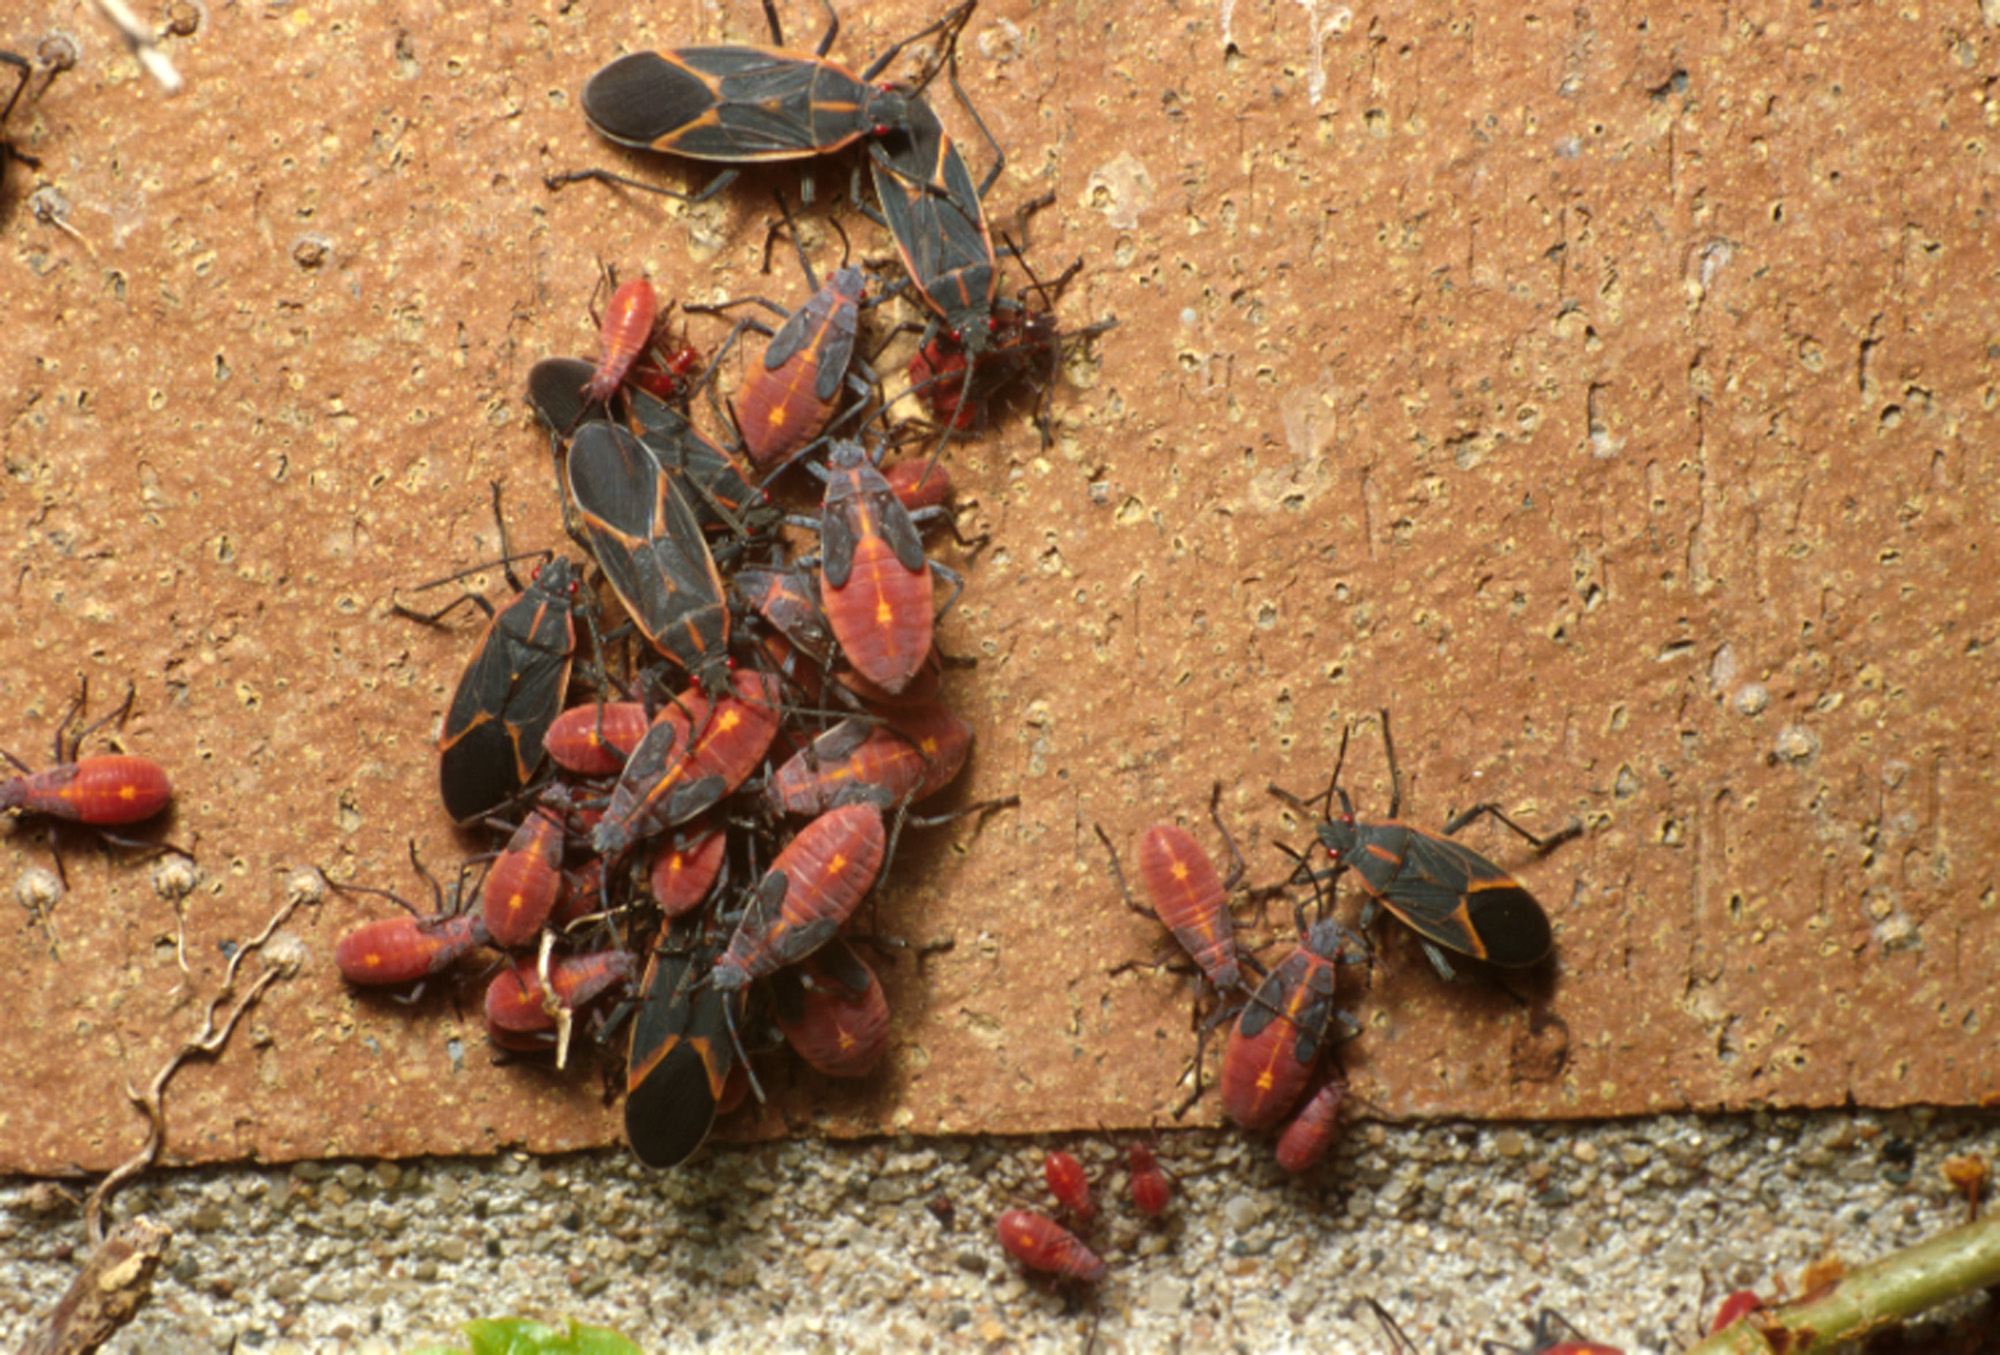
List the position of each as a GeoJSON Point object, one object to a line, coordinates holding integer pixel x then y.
{"type": "Point", "coordinates": [1462, 1230]}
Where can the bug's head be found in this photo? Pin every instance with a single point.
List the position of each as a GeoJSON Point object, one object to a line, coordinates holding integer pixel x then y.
{"type": "Point", "coordinates": [888, 110]}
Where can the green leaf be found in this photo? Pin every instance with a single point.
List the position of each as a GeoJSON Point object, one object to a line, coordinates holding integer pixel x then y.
{"type": "Point", "coordinates": [519, 1336]}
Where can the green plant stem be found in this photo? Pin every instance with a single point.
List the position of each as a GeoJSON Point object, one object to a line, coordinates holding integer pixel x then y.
{"type": "Point", "coordinates": [1872, 1297]}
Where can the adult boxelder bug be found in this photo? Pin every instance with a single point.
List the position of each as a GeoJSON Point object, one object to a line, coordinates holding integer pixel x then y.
{"type": "Point", "coordinates": [832, 1011]}
{"type": "Point", "coordinates": [521, 890]}
{"type": "Point", "coordinates": [934, 211]}
{"type": "Point", "coordinates": [650, 546]}
{"type": "Point", "coordinates": [696, 753]}
{"type": "Point", "coordinates": [1450, 895]}
{"type": "Point", "coordinates": [1309, 1136]}
{"type": "Point", "coordinates": [715, 487]}
{"type": "Point", "coordinates": [595, 739]}
{"type": "Point", "coordinates": [1069, 1183]}
{"type": "Point", "coordinates": [681, 1057]}
{"type": "Point", "coordinates": [1546, 1339]}
{"type": "Point", "coordinates": [807, 895]}
{"type": "Point", "coordinates": [1040, 1243]}
{"type": "Point", "coordinates": [875, 581]}
{"type": "Point", "coordinates": [510, 692]}
{"type": "Point", "coordinates": [105, 790]}
{"type": "Point", "coordinates": [900, 758]}
{"type": "Point", "coordinates": [740, 104]}
{"type": "Point", "coordinates": [1283, 1028]}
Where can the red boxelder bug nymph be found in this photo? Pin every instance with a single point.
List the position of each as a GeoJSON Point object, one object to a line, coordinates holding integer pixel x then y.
{"type": "Point", "coordinates": [519, 1007]}
{"type": "Point", "coordinates": [741, 104]}
{"type": "Point", "coordinates": [392, 950]}
{"type": "Point", "coordinates": [105, 790]}
{"type": "Point", "coordinates": [1553, 1335]}
{"type": "Point", "coordinates": [807, 895]}
{"type": "Point", "coordinates": [1450, 895]}
{"type": "Point", "coordinates": [684, 868]}
{"type": "Point", "coordinates": [790, 394]}
{"type": "Point", "coordinates": [1284, 1027]}
{"type": "Point", "coordinates": [832, 1011]}
{"type": "Point", "coordinates": [682, 1054]}
{"type": "Point", "coordinates": [695, 754]}
{"type": "Point", "coordinates": [1042, 1244]}
{"type": "Point", "coordinates": [595, 739]}
{"type": "Point", "coordinates": [875, 581]}
{"type": "Point", "coordinates": [899, 759]}
{"type": "Point", "coordinates": [1189, 898]}
{"type": "Point", "coordinates": [1307, 1139]}
{"type": "Point", "coordinates": [1069, 1183]}
{"type": "Point", "coordinates": [629, 318]}
{"type": "Point", "coordinates": [521, 890]}
{"type": "Point", "coordinates": [405, 948]}
{"type": "Point", "coordinates": [1151, 1189]}
{"type": "Point", "coordinates": [649, 544]}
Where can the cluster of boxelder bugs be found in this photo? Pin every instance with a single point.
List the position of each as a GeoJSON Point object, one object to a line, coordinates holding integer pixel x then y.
{"type": "Point", "coordinates": [695, 828]}
{"type": "Point", "coordinates": [1047, 1246]}
{"type": "Point", "coordinates": [1284, 1019]}
{"type": "Point", "coordinates": [743, 105]}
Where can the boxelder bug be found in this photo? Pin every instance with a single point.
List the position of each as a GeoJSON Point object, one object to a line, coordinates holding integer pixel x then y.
{"type": "Point", "coordinates": [681, 1057]}
{"type": "Point", "coordinates": [402, 949]}
{"type": "Point", "coordinates": [510, 692]}
{"type": "Point", "coordinates": [1307, 1139]}
{"type": "Point", "coordinates": [695, 754]}
{"type": "Point", "coordinates": [1069, 1183]}
{"type": "Point", "coordinates": [1040, 1243]}
{"type": "Point", "coordinates": [105, 790]}
{"type": "Point", "coordinates": [1277, 1040]}
{"type": "Point", "coordinates": [1450, 895]}
{"type": "Point", "coordinates": [1189, 898]}
{"type": "Point", "coordinates": [521, 890]}
{"type": "Point", "coordinates": [1151, 1189]}
{"type": "Point", "coordinates": [875, 581]}
{"type": "Point", "coordinates": [629, 318]}
{"type": "Point", "coordinates": [739, 104]}
{"type": "Point", "coordinates": [649, 544]}
{"type": "Point", "coordinates": [1545, 1339]}
{"type": "Point", "coordinates": [807, 895]}
{"type": "Point", "coordinates": [711, 481]}
{"type": "Point", "coordinates": [909, 755]}
{"type": "Point", "coordinates": [595, 739]}
{"type": "Point", "coordinates": [521, 1012]}
{"type": "Point", "coordinates": [790, 395]}
{"type": "Point", "coordinates": [934, 211]}
{"type": "Point", "coordinates": [684, 869]}
{"type": "Point", "coordinates": [832, 1011]}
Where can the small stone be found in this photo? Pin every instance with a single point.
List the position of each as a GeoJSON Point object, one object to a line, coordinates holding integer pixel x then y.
{"type": "Point", "coordinates": [1242, 1212]}
{"type": "Point", "coordinates": [1584, 1151]}
{"type": "Point", "coordinates": [1634, 1155]}
{"type": "Point", "coordinates": [1510, 1143]}
{"type": "Point", "coordinates": [1752, 698]}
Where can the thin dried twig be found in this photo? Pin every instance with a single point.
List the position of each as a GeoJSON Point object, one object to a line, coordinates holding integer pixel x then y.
{"type": "Point", "coordinates": [209, 1042]}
